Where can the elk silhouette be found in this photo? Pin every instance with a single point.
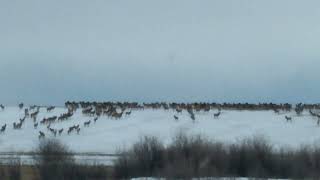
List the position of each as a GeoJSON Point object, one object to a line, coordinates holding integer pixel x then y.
{"type": "Point", "coordinates": [216, 115]}
{"type": "Point", "coordinates": [3, 128]}
{"type": "Point", "coordinates": [288, 118]}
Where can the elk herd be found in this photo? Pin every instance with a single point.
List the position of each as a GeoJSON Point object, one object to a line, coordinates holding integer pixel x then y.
{"type": "Point", "coordinates": [117, 110]}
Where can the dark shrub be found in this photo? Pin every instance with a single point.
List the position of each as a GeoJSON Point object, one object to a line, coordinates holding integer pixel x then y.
{"type": "Point", "coordinates": [56, 162]}
{"type": "Point", "coordinates": [53, 159]}
{"type": "Point", "coordinates": [195, 156]}
{"type": "Point", "coordinates": [146, 158]}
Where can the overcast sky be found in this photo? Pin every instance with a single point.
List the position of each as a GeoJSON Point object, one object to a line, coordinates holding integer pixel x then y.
{"type": "Point", "coordinates": [165, 50]}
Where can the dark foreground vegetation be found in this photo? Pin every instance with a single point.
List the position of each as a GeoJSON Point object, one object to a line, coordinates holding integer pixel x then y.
{"type": "Point", "coordinates": [53, 161]}
{"type": "Point", "coordinates": [185, 158]}
{"type": "Point", "coordinates": [196, 156]}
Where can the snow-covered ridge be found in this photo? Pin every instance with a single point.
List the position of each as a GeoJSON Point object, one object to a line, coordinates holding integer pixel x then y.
{"type": "Point", "coordinates": [107, 135]}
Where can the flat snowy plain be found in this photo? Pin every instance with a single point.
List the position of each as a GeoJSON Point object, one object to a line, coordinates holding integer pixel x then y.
{"type": "Point", "coordinates": [107, 135]}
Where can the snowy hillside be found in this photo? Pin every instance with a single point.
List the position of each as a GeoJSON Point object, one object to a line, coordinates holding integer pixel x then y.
{"type": "Point", "coordinates": [107, 135]}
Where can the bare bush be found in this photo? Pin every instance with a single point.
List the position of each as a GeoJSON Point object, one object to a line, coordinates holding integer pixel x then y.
{"type": "Point", "coordinates": [144, 159]}
{"type": "Point", "coordinates": [53, 159]}
{"type": "Point", "coordinates": [56, 162]}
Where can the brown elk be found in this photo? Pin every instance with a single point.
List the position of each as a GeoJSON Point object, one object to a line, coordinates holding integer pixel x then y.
{"type": "Point", "coordinates": [35, 125]}
{"type": "Point", "coordinates": [3, 128]}
{"type": "Point", "coordinates": [86, 124]}
{"type": "Point", "coordinates": [70, 130]}
{"type": "Point", "coordinates": [128, 113]}
{"type": "Point", "coordinates": [26, 112]}
{"type": "Point", "coordinates": [41, 135]}
{"type": "Point", "coordinates": [22, 120]}
{"type": "Point", "coordinates": [60, 131]}
{"type": "Point", "coordinates": [53, 131]}
{"type": "Point", "coordinates": [49, 109]}
{"type": "Point", "coordinates": [288, 118]}
{"type": "Point", "coordinates": [17, 125]}
{"type": "Point", "coordinates": [34, 114]}
{"type": "Point", "coordinates": [216, 115]}
{"type": "Point", "coordinates": [21, 105]}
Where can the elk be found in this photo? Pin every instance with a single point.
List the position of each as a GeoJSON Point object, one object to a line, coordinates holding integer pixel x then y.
{"type": "Point", "coordinates": [32, 107]}
{"type": "Point", "coordinates": [193, 117]}
{"type": "Point", "coordinates": [3, 128]}
{"type": "Point", "coordinates": [128, 113]}
{"type": "Point", "coordinates": [21, 105]}
{"type": "Point", "coordinates": [2, 106]}
{"type": "Point", "coordinates": [49, 109]}
{"type": "Point", "coordinates": [35, 125]}
{"type": "Point", "coordinates": [176, 117]}
{"type": "Point", "coordinates": [53, 131]}
{"type": "Point", "coordinates": [288, 118]}
{"type": "Point", "coordinates": [179, 110]}
{"type": "Point", "coordinates": [17, 125]}
{"type": "Point", "coordinates": [276, 111]}
{"type": "Point", "coordinates": [22, 120]}
{"type": "Point", "coordinates": [86, 124]}
{"type": "Point", "coordinates": [60, 131]}
{"type": "Point", "coordinates": [41, 135]}
{"type": "Point", "coordinates": [34, 115]}
{"type": "Point", "coordinates": [70, 130]}
{"type": "Point", "coordinates": [26, 112]}
{"type": "Point", "coordinates": [216, 115]}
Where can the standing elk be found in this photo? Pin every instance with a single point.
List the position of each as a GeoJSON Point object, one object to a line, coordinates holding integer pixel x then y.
{"type": "Point", "coordinates": [60, 131]}
{"type": "Point", "coordinates": [2, 107]}
{"type": "Point", "coordinates": [21, 105]}
{"type": "Point", "coordinates": [17, 125]}
{"type": "Point", "coordinates": [34, 114]}
{"type": "Point", "coordinates": [49, 109]}
{"type": "Point", "coordinates": [128, 113]}
{"type": "Point", "coordinates": [288, 118]}
{"type": "Point", "coordinates": [35, 125]}
{"type": "Point", "coordinates": [3, 128]}
{"type": "Point", "coordinates": [41, 135]}
{"type": "Point", "coordinates": [216, 115]}
{"type": "Point", "coordinates": [26, 112]}
{"type": "Point", "coordinates": [176, 117]}
{"type": "Point", "coordinates": [86, 124]}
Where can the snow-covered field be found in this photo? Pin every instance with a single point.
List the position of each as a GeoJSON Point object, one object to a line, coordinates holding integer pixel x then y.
{"type": "Point", "coordinates": [107, 135]}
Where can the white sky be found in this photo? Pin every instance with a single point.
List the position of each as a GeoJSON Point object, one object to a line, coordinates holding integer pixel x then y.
{"type": "Point", "coordinates": [168, 50]}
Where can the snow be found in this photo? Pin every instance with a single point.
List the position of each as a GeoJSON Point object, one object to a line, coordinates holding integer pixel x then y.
{"type": "Point", "coordinates": [108, 135]}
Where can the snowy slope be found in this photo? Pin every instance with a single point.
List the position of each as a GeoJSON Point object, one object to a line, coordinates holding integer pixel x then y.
{"type": "Point", "coordinates": [107, 135]}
